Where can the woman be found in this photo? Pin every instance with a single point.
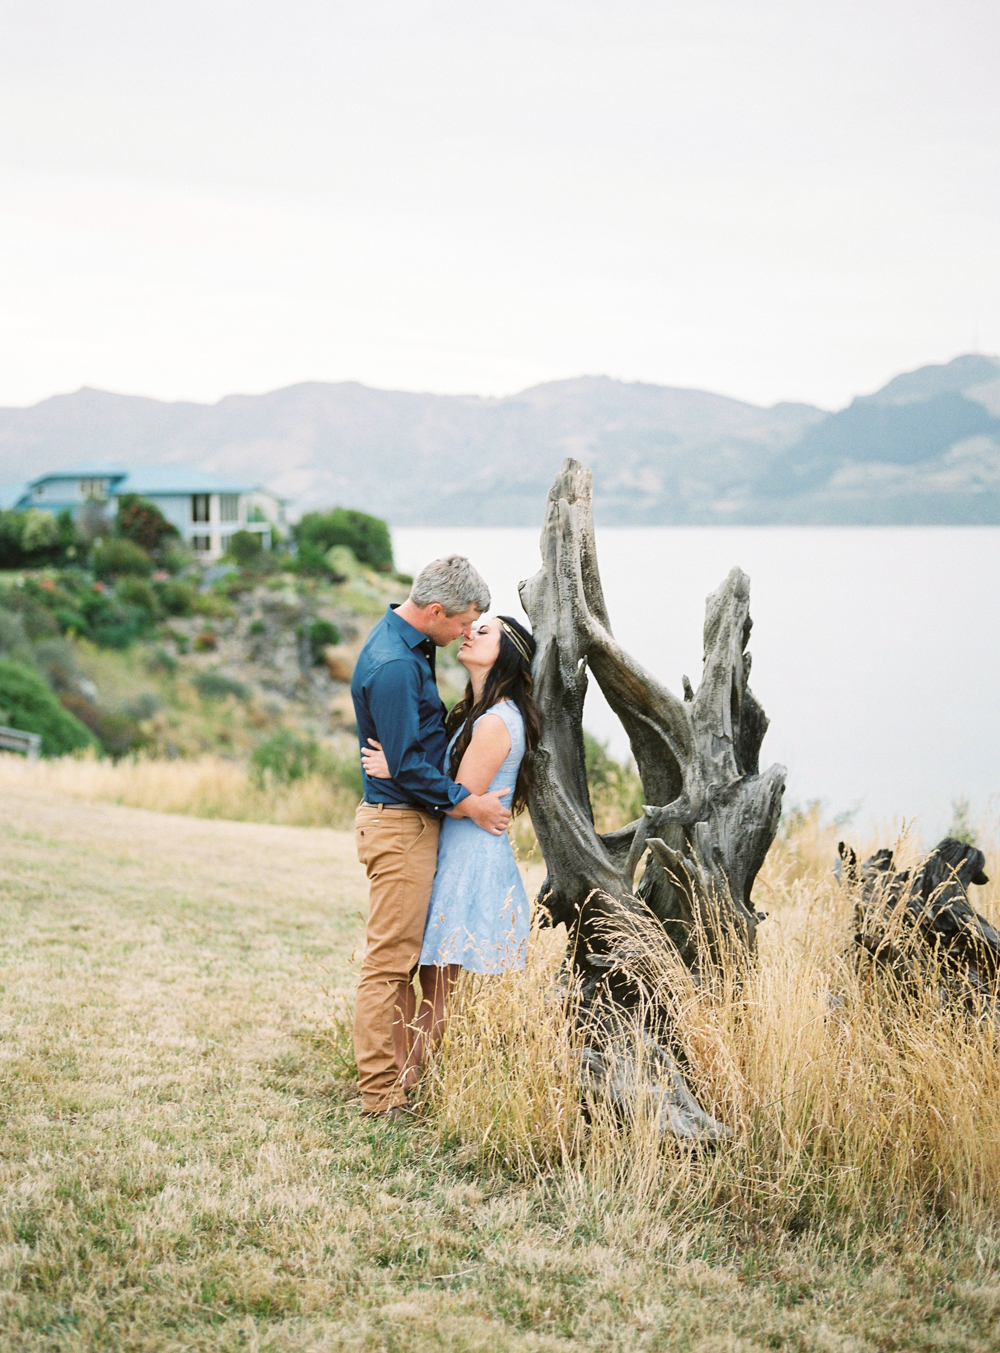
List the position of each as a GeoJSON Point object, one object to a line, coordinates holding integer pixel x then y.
{"type": "Point", "coordinates": [478, 915]}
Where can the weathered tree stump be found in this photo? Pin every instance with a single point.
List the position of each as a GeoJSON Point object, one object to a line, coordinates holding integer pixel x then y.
{"type": "Point", "coordinates": [711, 815]}
{"type": "Point", "coordinates": [920, 925]}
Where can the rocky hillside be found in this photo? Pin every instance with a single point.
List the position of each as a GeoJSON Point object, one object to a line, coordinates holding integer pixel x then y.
{"type": "Point", "coordinates": [925, 448]}
{"type": "Point", "coordinates": [252, 659]}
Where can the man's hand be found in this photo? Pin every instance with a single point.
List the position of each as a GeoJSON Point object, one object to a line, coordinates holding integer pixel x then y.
{"type": "Point", "coordinates": [485, 810]}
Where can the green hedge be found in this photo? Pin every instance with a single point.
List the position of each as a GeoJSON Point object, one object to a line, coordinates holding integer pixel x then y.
{"type": "Point", "coordinates": [27, 703]}
{"type": "Point", "coordinates": [34, 538]}
{"type": "Point", "coordinates": [118, 557]}
{"type": "Point", "coordinates": [368, 537]}
{"type": "Point", "coordinates": [142, 522]}
{"type": "Point", "coordinates": [72, 604]}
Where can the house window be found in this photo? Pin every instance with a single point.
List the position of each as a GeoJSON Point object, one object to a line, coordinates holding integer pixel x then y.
{"type": "Point", "coordinates": [94, 488]}
{"type": "Point", "coordinates": [224, 542]}
{"type": "Point", "coordinates": [201, 544]}
{"type": "Point", "coordinates": [200, 505]}
{"type": "Point", "coordinates": [229, 507]}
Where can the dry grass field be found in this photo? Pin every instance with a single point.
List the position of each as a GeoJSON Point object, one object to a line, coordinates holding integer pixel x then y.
{"type": "Point", "coordinates": [184, 1166]}
{"type": "Point", "coordinates": [200, 786]}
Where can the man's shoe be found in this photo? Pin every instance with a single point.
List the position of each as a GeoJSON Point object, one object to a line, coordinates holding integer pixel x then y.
{"type": "Point", "coordinates": [390, 1115]}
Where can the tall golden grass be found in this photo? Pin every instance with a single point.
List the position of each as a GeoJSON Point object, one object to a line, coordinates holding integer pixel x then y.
{"type": "Point", "coordinates": [853, 1103]}
{"type": "Point", "coordinates": [204, 786]}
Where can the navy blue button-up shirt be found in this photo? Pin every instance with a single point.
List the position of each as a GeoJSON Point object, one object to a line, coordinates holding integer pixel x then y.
{"type": "Point", "coordinates": [396, 701]}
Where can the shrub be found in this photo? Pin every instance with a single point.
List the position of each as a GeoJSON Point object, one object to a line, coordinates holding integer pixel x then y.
{"type": "Point", "coordinates": [34, 604]}
{"type": "Point", "coordinates": [35, 537]}
{"type": "Point", "coordinates": [116, 557]}
{"type": "Point", "coordinates": [962, 827]}
{"type": "Point", "coordinates": [118, 733]}
{"type": "Point", "coordinates": [69, 537]}
{"type": "Point", "coordinates": [161, 661]}
{"type": "Point", "coordinates": [322, 633]}
{"type": "Point", "coordinates": [368, 537]}
{"type": "Point", "coordinates": [142, 706]}
{"type": "Point", "coordinates": [245, 547]}
{"type": "Point", "coordinates": [176, 598]}
{"type": "Point", "coordinates": [347, 773]}
{"type": "Point", "coordinates": [216, 686]}
{"type": "Point", "coordinates": [39, 532]}
{"type": "Point", "coordinates": [143, 523]}
{"type": "Point", "coordinates": [11, 526]}
{"type": "Point", "coordinates": [285, 757]}
{"type": "Point", "coordinates": [91, 523]}
{"type": "Point", "coordinates": [73, 604]}
{"type": "Point", "coordinates": [341, 562]}
{"type": "Point", "coordinates": [214, 604]}
{"type": "Point", "coordinates": [206, 641]}
{"type": "Point", "coordinates": [56, 660]}
{"type": "Point", "coordinates": [27, 703]}
{"type": "Point", "coordinates": [176, 557]}
{"type": "Point", "coordinates": [107, 621]}
{"type": "Point", "coordinates": [139, 593]}
{"type": "Point", "coordinates": [615, 789]}
{"type": "Point", "coordinates": [14, 641]}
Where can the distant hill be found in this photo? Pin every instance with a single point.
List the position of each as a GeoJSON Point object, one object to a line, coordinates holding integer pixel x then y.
{"type": "Point", "coordinates": [925, 448]}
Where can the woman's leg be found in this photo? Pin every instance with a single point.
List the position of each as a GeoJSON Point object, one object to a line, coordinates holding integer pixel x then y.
{"type": "Point", "coordinates": [415, 1030]}
{"type": "Point", "coordinates": [405, 1037]}
{"type": "Point", "coordinates": [435, 985]}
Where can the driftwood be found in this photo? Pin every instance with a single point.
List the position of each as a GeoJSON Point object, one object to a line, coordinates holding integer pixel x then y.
{"type": "Point", "coordinates": [920, 925]}
{"type": "Point", "coordinates": [711, 815]}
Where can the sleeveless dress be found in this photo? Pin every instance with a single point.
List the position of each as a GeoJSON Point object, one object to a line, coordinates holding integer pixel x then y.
{"type": "Point", "coordinates": [478, 914]}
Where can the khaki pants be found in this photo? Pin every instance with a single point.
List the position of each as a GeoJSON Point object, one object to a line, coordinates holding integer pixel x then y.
{"type": "Point", "coordinates": [398, 847]}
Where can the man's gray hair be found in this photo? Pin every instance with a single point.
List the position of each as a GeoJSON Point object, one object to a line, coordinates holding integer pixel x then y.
{"type": "Point", "coordinates": [453, 583]}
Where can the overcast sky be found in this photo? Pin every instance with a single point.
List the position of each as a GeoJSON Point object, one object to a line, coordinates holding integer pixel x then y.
{"type": "Point", "coordinates": [772, 200]}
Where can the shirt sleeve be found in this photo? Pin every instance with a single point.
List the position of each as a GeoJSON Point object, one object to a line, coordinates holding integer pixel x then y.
{"type": "Point", "coordinates": [393, 694]}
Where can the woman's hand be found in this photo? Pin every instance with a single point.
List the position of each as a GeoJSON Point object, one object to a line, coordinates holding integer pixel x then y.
{"type": "Point", "coordinates": [374, 762]}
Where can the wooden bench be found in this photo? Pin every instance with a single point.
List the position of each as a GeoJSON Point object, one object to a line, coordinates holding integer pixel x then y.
{"type": "Point", "coordinates": [13, 740]}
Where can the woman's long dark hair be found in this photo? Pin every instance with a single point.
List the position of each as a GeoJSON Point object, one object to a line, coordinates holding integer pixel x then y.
{"type": "Point", "coordinates": [508, 679]}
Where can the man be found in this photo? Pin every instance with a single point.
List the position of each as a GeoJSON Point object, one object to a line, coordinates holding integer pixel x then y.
{"type": "Point", "coordinates": [396, 702]}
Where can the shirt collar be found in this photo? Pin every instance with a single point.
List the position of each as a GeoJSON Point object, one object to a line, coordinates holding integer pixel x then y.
{"type": "Point", "coordinates": [407, 632]}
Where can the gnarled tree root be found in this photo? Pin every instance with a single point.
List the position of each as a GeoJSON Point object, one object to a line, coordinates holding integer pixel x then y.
{"type": "Point", "coordinates": [919, 923]}
{"type": "Point", "coordinates": [711, 813]}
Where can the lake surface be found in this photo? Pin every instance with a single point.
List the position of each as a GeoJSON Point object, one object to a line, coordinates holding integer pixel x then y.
{"type": "Point", "coordinates": [876, 650]}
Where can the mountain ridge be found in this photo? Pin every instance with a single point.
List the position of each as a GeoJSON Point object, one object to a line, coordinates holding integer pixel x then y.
{"type": "Point", "coordinates": [923, 448]}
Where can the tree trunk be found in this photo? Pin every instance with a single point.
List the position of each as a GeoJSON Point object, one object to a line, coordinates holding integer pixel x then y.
{"type": "Point", "coordinates": [711, 815]}
{"type": "Point", "coordinates": [920, 925]}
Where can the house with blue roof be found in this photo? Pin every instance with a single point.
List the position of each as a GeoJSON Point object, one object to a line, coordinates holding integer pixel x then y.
{"type": "Point", "coordinates": [206, 509]}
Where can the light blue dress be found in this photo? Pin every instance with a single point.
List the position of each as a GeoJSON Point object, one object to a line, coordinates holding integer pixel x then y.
{"type": "Point", "coordinates": [478, 914]}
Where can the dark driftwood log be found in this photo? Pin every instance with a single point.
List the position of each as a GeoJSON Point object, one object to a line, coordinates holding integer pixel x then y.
{"type": "Point", "coordinates": [909, 919]}
{"type": "Point", "coordinates": [711, 815]}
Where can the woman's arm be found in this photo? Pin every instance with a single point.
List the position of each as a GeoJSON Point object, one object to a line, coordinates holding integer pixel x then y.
{"type": "Point", "coordinates": [484, 755]}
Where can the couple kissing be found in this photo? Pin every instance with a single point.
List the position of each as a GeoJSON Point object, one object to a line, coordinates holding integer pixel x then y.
{"type": "Point", "coordinates": [439, 790]}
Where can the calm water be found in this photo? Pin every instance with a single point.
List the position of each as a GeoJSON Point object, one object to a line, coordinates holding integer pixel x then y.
{"type": "Point", "coordinates": [876, 650]}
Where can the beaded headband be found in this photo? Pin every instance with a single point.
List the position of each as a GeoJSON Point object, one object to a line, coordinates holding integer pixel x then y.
{"type": "Point", "coordinates": [516, 639]}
